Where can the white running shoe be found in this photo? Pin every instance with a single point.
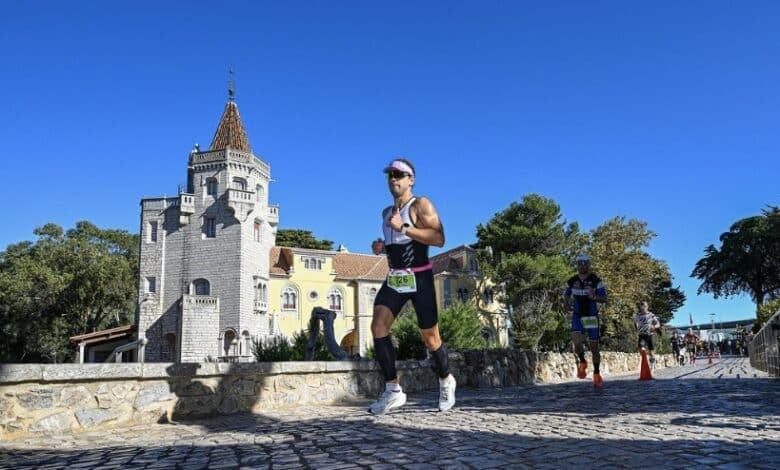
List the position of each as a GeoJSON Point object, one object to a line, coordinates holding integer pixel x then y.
{"type": "Point", "coordinates": [387, 401]}
{"type": "Point", "coordinates": [447, 392]}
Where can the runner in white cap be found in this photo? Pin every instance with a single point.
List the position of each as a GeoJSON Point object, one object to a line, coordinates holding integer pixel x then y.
{"type": "Point", "coordinates": [410, 226]}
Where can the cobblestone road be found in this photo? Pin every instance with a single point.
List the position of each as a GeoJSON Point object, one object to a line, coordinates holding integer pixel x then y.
{"type": "Point", "coordinates": [723, 415]}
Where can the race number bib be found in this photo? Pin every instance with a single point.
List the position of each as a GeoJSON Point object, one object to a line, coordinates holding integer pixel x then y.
{"type": "Point", "coordinates": [590, 322]}
{"type": "Point", "coordinates": [402, 281]}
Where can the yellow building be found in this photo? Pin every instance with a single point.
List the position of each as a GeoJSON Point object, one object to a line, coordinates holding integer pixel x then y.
{"type": "Point", "coordinates": [347, 283]}
{"type": "Point", "coordinates": [458, 279]}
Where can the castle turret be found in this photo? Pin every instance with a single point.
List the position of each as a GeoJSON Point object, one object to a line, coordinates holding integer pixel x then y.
{"type": "Point", "coordinates": [204, 254]}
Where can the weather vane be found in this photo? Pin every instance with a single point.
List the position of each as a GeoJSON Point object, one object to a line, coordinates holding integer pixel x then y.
{"type": "Point", "coordinates": [231, 87]}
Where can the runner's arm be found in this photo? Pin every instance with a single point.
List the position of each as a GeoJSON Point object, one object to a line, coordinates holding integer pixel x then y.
{"type": "Point", "coordinates": [427, 228]}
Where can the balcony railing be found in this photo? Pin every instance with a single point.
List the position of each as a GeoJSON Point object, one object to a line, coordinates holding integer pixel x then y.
{"type": "Point", "coordinates": [241, 202]}
{"type": "Point", "coordinates": [201, 301]}
{"type": "Point", "coordinates": [261, 306]}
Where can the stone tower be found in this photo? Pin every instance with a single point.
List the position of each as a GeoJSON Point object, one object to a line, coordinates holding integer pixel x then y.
{"type": "Point", "coordinates": [204, 254]}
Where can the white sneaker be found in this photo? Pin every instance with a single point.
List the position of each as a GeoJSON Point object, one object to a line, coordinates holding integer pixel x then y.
{"type": "Point", "coordinates": [447, 392]}
{"type": "Point", "coordinates": [387, 401]}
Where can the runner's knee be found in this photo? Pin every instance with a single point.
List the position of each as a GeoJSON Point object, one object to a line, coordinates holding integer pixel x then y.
{"type": "Point", "coordinates": [381, 321]}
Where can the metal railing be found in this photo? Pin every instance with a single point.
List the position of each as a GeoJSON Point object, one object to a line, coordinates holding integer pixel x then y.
{"type": "Point", "coordinates": [763, 349]}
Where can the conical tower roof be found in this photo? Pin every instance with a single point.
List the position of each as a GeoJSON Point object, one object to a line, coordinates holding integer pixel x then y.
{"type": "Point", "coordinates": [230, 131]}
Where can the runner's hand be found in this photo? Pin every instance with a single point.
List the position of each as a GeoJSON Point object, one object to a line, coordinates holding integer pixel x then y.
{"type": "Point", "coordinates": [395, 220]}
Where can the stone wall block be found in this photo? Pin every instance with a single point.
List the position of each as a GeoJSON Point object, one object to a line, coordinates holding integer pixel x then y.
{"type": "Point", "coordinates": [75, 396]}
{"type": "Point", "coordinates": [38, 398]}
{"type": "Point", "coordinates": [91, 417]}
{"type": "Point", "coordinates": [54, 424]}
{"type": "Point", "coordinates": [153, 394]}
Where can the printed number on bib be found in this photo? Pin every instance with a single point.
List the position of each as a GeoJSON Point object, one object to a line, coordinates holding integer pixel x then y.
{"type": "Point", "coordinates": [590, 322]}
{"type": "Point", "coordinates": [402, 280]}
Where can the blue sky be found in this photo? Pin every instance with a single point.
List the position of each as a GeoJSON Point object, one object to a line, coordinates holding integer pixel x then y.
{"type": "Point", "coordinates": [662, 111]}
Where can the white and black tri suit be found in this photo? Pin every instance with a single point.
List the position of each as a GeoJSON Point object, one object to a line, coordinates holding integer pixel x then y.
{"type": "Point", "coordinates": [407, 258]}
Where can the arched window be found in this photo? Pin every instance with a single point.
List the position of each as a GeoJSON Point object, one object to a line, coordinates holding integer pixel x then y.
{"type": "Point", "coordinates": [257, 233]}
{"type": "Point", "coordinates": [238, 183]}
{"type": "Point", "coordinates": [289, 298]}
{"type": "Point", "coordinates": [229, 343]}
{"type": "Point", "coordinates": [211, 186]}
{"type": "Point", "coordinates": [336, 300]}
{"type": "Point", "coordinates": [260, 193]}
{"type": "Point", "coordinates": [246, 340]}
{"type": "Point", "coordinates": [200, 287]}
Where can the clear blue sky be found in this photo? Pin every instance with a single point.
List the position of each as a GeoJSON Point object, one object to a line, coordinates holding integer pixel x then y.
{"type": "Point", "coordinates": [663, 111]}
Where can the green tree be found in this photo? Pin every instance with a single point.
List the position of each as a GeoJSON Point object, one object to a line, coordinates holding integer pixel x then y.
{"type": "Point", "coordinates": [768, 309]}
{"type": "Point", "coordinates": [631, 275]}
{"type": "Point", "coordinates": [63, 284]}
{"type": "Point", "coordinates": [525, 248]}
{"type": "Point", "coordinates": [296, 238]}
{"type": "Point", "coordinates": [747, 262]}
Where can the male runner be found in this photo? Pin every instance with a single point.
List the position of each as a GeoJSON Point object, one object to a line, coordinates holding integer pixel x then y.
{"type": "Point", "coordinates": [586, 290]}
{"type": "Point", "coordinates": [691, 339]}
{"type": "Point", "coordinates": [646, 323]}
{"type": "Point", "coordinates": [410, 226]}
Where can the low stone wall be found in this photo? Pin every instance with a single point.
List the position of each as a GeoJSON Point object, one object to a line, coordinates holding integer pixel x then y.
{"type": "Point", "coordinates": [55, 398]}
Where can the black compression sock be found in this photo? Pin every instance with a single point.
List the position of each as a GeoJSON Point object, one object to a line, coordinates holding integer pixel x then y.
{"type": "Point", "coordinates": [385, 356]}
{"type": "Point", "coordinates": [441, 361]}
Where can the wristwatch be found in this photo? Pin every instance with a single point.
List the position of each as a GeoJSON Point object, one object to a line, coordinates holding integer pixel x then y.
{"type": "Point", "coordinates": [405, 228]}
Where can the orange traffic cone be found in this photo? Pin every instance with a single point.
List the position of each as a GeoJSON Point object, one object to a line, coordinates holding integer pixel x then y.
{"type": "Point", "coordinates": [644, 372]}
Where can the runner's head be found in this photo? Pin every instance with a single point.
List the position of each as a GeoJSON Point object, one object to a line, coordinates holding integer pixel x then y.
{"type": "Point", "coordinates": [400, 176]}
{"type": "Point", "coordinates": [643, 307]}
{"type": "Point", "coordinates": [583, 264]}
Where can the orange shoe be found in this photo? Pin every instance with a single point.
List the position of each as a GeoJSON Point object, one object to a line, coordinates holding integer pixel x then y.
{"type": "Point", "coordinates": [582, 370]}
{"type": "Point", "coordinates": [597, 382]}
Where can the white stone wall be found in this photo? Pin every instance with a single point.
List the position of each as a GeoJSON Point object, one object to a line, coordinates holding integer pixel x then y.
{"type": "Point", "coordinates": [200, 328]}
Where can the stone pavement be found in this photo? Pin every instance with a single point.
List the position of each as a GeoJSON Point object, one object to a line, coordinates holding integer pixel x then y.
{"type": "Point", "coordinates": [724, 415]}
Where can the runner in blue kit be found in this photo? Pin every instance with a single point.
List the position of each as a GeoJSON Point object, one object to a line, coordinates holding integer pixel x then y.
{"type": "Point", "coordinates": [409, 226]}
{"type": "Point", "coordinates": [585, 290]}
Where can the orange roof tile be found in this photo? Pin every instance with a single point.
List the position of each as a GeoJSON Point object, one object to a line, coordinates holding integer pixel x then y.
{"type": "Point", "coordinates": [230, 131]}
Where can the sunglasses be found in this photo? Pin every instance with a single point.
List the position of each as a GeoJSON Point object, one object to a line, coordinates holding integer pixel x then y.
{"type": "Point", "coordinates": [396, 175]}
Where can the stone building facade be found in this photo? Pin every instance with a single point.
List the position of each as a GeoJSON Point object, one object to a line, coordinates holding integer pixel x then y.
{"type": "Point", "coordinates": [204, 270]}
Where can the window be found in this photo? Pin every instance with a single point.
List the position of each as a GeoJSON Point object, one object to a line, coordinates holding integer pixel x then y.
{"type": "Point", "coordinates": [201, 287]}
{"type": "Point", "coordinates": [289, 299]}
{"type": "Point", "coordinates": [463, 294]}
{"type": "Point", "coordinates": [247, 343]}
{"type": "Point", "coordinates": [151, 285]}
{"type": "Point", "coordinates": [473, 265]}
{"type": "Point", "coordinates": [257, 234]}
{"type": "Point", "coordinates": [152, 232]}
{"type": "Point", "coordinates": [313, 264]}
{"type": "Point", "coordinates": [260, 193]}
{"type": "Point", "coordinates": [238, 183]}
{"type": "Point", "coordinates": [211, 186]}
{"type": "Point", "coordinates": [335, 300]}
{"type": "Point", "coordinates": [230, 343]}
{"type": "Point", "coordinates": [261, 293]}
{"type": "Point", "coordinates": [210, 227]}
